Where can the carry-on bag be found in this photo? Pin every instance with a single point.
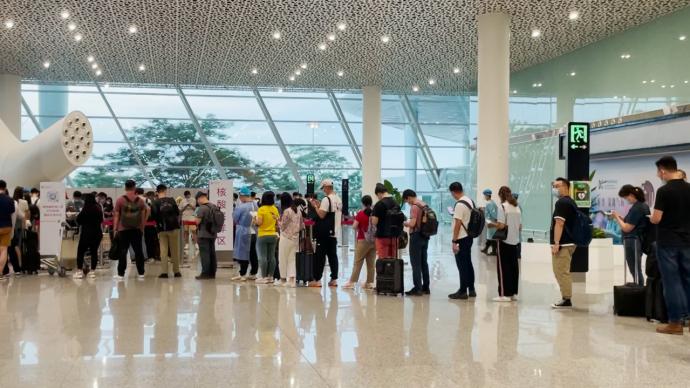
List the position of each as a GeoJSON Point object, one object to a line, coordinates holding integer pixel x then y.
{"type": "Point", "coordinates": [656, 304]}
{"type": "Point", "coordinates": [389, 274]}
{"type": "Point", "coordinates": [629, 299]}
{"type": "Point", "coordinates": [304, 259]}
{"type": "Point", "coordinates": [31, 257]}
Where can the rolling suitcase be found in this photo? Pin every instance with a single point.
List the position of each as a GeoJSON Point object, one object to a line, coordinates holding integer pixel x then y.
{"type": "Point", "coordinates": [31, 257]}
{"type": "Point", "coordinates": [304, 260]}
{"type": "Point", "coordinates": [629, 299]}
{"type": "Point", "coordinates": [389, 275]}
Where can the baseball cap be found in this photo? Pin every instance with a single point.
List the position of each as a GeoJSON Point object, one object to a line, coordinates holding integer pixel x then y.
{"type": "Point", "coordinates": [326, 183]}
{"type": "Point", "coordinates": [245, 192]}
{"type": "Point", "coordinates": [487, 192]}
{"type": "Point", "coordinates": [200, 194]}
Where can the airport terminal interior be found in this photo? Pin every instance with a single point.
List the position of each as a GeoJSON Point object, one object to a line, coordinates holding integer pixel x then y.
{"type": "Point", "coordinates": [355, 98]}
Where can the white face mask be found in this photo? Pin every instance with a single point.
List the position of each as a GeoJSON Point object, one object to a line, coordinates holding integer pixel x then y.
{"type": "Point", "coordinates": [555, 192]}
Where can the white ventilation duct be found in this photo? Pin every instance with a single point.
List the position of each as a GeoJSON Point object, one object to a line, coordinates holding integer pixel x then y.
{"type": "Point", "coordinates": [48, 157]}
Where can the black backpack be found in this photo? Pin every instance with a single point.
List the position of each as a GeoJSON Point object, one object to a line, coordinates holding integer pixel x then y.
{"type": "Point", "coordinates": [429, 222]}
{"type": "Point", "coordinates": [216, 219]}
{"type": "Point", "coordinates": [325, 227]}
{"type": "Point", "coordinates": [393, 225]}
{"type": "Point", "coordinates": [475, 226]}
{"type": "Point", "coordinates": [168, 215]}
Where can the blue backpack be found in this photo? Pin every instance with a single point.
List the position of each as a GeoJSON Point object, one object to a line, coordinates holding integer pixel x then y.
{"type": "Point", "coordinates": [581, 233]}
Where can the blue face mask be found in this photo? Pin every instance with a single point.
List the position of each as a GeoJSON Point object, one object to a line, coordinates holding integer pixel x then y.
{"type": "Point", "coordinates": [555, 192]}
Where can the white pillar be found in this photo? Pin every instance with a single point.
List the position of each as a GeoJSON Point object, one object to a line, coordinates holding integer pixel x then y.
{"type": "Point", "coordinates": [493, 90]}
{"type": "Point", "coordinates": [11, 102]}
{"type": "Point", "coordinates": [371, 138]}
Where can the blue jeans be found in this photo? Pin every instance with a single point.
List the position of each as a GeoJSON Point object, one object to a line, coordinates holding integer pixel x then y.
{"type": "Point", "coordinates": [674, 264]}
{"type": "Point", "coordinates": [418, 259]}
{"type": "Point", "coordinates": [463, 259]}
{"type": "Point", "coordinates": [633, 258]}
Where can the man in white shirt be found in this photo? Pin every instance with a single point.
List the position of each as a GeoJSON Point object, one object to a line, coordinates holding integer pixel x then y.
{"type": "Point", "coordinates": [462, 243]}
{"type": "Point", "coordinates": [328, 231]}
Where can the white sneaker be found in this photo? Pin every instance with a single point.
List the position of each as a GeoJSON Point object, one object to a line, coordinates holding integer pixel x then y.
{"type": "Point", "coordinates": [91, 275]}
{"type": "Point", "coordinates": [140, 277]}
{"type": "Point", "coordinates": [238, 278]}
{"type": "Point", "coordinates": [270, 281]}
{"type": "Point", "coordinates": [78, 275]}
{"type": "Point", "coordinates": [251, 277]}
{"type": "Point", "coordinates": [118, 278]}
{"type": "Point", "coordinates": [260, 281]}
{"type": "Point", "coordinates": [501, 299]}
{"type": "Point", "coordinates": [349, 285]}
{"type": "Point", "coordinates": [514, 298]}
{"type": "Point", "coordinates": [370, 286]}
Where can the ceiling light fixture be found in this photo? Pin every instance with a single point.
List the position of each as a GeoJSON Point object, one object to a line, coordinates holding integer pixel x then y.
{"type": "Point", "coordinates": [142, 67]}
{"type": "Point", "coordinates": [71, 26]}
{"type": "Point", "coordinates": [46, 64]}
{"type": "Point", "coordinates": [574, 15]}
{"type": "Point", "coordinates": [94, 66]}
{"type": "Point", "coordinates": [342, 26]}
{"type": "Point", "coordinates": [90, 58]}
{"type": "Point", "coordinates": [322, 46]}
{"type": "Point", "coordinates": [625, 56]}
{"type": "Point", "coordinates": [64, 14]}
{"type": "Point", "coordinates": [9, 23]}
{"type": "Point", "coordinates": [331, 37]}
{"type": "Point", "coordinates": [514, 91]}
{"type": "Point", "coordinates": [644, 82]}
{"type": "Point", "coordinates": [685, 82]}
{"type": "Point", "coordinates": [340, 73]}
{"type": "Point", "coordinates": [292, 78]}
{"type": "Point", "coordinates": [573, 74]}
{"type": "Point", "coordinates": [682, 37]}
{"type": "Point", "coordinates": [456, 70]}
{"type": "Point", "coordinates": [663, 86]}
{"type": "Point", "coordinates": [276, 35]}
{"type": "Point", "coordinates": [255, 71]}
{"type": "Point", "coordinates": [303, 65]}
{"type": "Point", "coordinates": [385, 39]}
{"type": "Point", "coordinates": [536, 33]}
{"type": "Point", "coordinates": [415, 88]}
{"type": "Point", "coordinates": [432, 81]}
{"type": "Point", "coordinates": [132, 29]}
{"type": "Point", "coordinates": [298, 72]}
{"type": "Point", "coordinates": [652, 81]}
{"type": "Point", "coordinates": [98, 73]}
{"type": "Point", "coordinates": [78, 37]}
{"type": "Point", "coordinates": [672, 86]}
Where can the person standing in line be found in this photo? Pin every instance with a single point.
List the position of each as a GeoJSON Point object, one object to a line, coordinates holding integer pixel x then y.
{"type": "Point", "coordinates": [290, 224]}
{"type": "Point", "coordinates": [634, 227]}
{"type": "Point", "coordinates": [490, 214]}
{"type": "Point", "coordinates": [22, 215]}
{"type": "Point", "coordinates": [188, 209]}
{"type": "Point", "coordinates": [328, 231]}
{"type": "Point", "coordinates": [35, 196]}
{"type": "Point", "coordinates": [166, 214]}
{"type": "Point", "coordinates": [462, 242]}
{"type": "Point", "coordinates": [267, 219]}
{"type": "Point", "coordinates": [672, 215]}
{"type": "Point", "coordinates": [507, 266]}
{"type": "Point", "coordinates": [386, 245]}
{"type": "Point", "coordinates": [519, 246]}
{"type": "Point", "coordinates": [129, 218]}
{"type": "Point", "coordinates": [242, 218]}
{"type": "Point", "coordinates": [205, 237]}
{"type": "Point", "coordinates": [7, 220]}
{"type": "Point", "coordinates": [89, 219]}
{"type": "Point", "coordinates": [562, 243]}
{"type": "Point", "coordinates": [364, 250]}
{"type": "Point", "coordinates": [151, 240]}
{"type": "Point", "coordinates": [419, 245]}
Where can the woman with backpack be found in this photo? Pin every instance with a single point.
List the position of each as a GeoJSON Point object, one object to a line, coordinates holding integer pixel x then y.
{"type": "Point", "coordinates": [290, 224]}
{"type": "Point", "coordinates": [89, 219]}
{"type": "Point", "coordinates": [508, 227]}
{"type": "Point", "coordinates": [266, 220]}
{"type": "Point", "coordinates": [633, 226]}
{"type": "Point", "coordinates": [365, 247]}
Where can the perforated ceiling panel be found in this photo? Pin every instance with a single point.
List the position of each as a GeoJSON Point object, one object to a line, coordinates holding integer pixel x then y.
{"type": "Point", "coordinates": [219, 42]}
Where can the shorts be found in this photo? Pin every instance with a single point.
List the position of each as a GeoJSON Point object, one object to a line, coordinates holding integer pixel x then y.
{"type": "Point", "coordinates": [5, 236]}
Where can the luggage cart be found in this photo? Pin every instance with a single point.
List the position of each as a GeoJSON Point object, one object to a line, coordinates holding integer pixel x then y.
{"type": "Point", "coordinates": [68, 252]}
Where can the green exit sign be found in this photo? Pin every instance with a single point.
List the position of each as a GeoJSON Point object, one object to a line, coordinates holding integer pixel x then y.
{"type": "Point", "coordinates": [578, 136]}
{"type": "Point", "coordinates": [311, 178]}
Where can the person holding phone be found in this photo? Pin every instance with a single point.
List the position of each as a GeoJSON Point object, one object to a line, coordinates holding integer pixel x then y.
{"type": "Point", "coordinates": [633, 226]}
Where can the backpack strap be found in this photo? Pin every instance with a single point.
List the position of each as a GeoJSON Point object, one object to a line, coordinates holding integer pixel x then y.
{"type": "Point", "coordinates": [469, 207]}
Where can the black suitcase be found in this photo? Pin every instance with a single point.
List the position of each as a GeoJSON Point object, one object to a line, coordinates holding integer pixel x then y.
{"type": "Point", "coordinates": [389, 275]}
{"type": "Point", "coordinates": [655, 303]}
{"type": "Point", "coordinates": [31, 257]}
{"type": "Point", "coordinates": [629, 299]}
{"type": "Point", "coordinates": [304, 260]}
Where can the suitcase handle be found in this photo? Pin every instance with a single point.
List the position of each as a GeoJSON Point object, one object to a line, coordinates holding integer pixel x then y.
{"type": "Point", "coordinates": [636, 242]}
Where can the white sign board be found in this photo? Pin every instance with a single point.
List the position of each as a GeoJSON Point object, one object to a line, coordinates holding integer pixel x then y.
{"type": "Point", "coordinates": [220, 194]}
{"type": "Point", "coordinates": [52, 208]}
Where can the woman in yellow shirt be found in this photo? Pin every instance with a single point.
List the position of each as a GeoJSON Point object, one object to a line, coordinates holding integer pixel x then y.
{"type": "Point", "coordinates": [266, 219]}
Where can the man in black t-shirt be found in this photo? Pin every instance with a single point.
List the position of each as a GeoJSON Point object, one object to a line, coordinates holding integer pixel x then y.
{"type": "Point", "coordinates": [562, 245]}
{"type": "Point", "coordinates": [672, 214]}
{"type": "Point", "coordinates": [386, 245]}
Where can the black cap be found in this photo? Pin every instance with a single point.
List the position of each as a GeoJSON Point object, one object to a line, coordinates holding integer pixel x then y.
{"type": "Point", "coordinates": [200, 194]}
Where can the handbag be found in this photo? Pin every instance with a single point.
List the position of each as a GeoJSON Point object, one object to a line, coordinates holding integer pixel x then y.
{"type": "Point", "coordinates": [403, 240]}
{"type": "Point", "coordinates": [502, 234]}
{"type": "Point", "coordinates": [114, 252]}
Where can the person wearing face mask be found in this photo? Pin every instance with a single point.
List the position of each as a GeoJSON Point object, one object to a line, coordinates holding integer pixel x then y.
{"type": "Point", "coordinates": [562, 244]}
{"type": "Point", "coordinates": [672, 215]}
{"type": "Point", "coordinates": [633, 226]}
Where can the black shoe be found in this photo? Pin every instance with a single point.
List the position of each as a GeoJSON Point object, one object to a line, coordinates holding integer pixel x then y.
{"type": "Point", "coordinates": [204, 277]}
{"type": "Point", "coordinates": [562, 304]}
{"type": "Point", "coordinates": [458, 295]}
{"type": "Point", "coordinates": [473, 294]}
{"type": "Point", "coordinates": [163, 276]}
{"type": "Point", "coordinates": [426, 291]}
{"type": "Point", "coordinates": [414, 292]}
{"type": "Point", "coordinates": [178, 275]}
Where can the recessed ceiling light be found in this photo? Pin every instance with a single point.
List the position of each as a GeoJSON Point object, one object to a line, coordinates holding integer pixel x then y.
{"type": "Point", "coordinates": [514, 91]}
{"type": "Point", "coordinates": [644, 82]}
{"type": "Point", "coordinates": [615, 97]}
{"type": "Point", "coordinates": [672, 86]}
{"type": "Point", "coordinates": [292, 78]}
{"type": "Point", "coordinates": [132, 29]}
{"type": "Point", "coordinates": [9, 23]}
{"type": "Point", "coordinates": [94, 66]}
{"type": "Point", "coordinates": [652, 81]}
{"type": "Point", "coordinates": [142, 67]}
{"type": "Point", "coordinates": [90, 58]}
{"type": "Point", "coordinates": [456, 70]}
{"type": "Point", "coordinates": [298, 72]}
{"type": "Point", "coordinates": [303, 65]}
{"type": "Point", "coordinates": [46, 64]}
{"type": "Point", "coordinates": [78, 37]}
{"type": "Point", "coordinates": [573, 74]}
{"type": "Point", "coordinates": [574, 15]}
{"type": "Point", "coordinates": [415, 88]}
{"type": "Point", "coordinates": [432, 81]}
{"type": "Point", "coordinates": [536, 33]}
{"type": "Point", "coordinates": [682, 37]}
{"type": "Point", "coordinates": [385, 39]}
{"type": "Point", "coordinates": [322, 46]}
{"type": "Point", "coordinates": [98, 73]}
{"type": "Point", "coordinates": [64, 14]}
{"type": "Point", "coordinates": [71, 26]}
{"type": "Point", "coordinates": [342, 26]}
{"type": "Point", "coordinates": [331, 37]}
{"type": "Point", "coordinates": [276, 35]}
{"type": "Point", "coordinates": [255, 71]}
{"type": "Point", "coordinates": [663, 86]}
{"type": "Point", "coordinates": [625, 56]}
{"type": "Point", "coordinates": [340, 73]}
{"type": "Point", "coordinates": [685, 82]}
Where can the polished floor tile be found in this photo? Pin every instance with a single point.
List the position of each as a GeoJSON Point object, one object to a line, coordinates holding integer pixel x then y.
{"type": "Point", "coordinates": [58, 332]}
